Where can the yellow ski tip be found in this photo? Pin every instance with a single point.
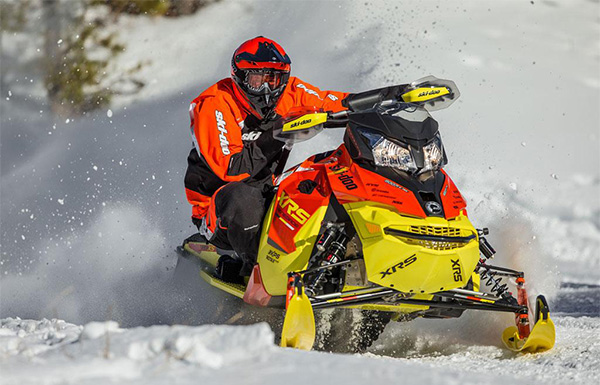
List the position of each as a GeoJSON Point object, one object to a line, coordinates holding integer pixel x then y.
{"type": "Point", "coordinates": [541, 338]}
{"type": "Point", "coordinates": [299, 323]}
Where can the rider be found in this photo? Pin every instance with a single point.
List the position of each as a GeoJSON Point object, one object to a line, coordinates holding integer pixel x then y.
{"type": "Point", "coordinates": [230, 168]}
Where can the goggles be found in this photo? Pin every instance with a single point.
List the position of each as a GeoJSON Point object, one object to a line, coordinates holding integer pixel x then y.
{"type": "Point", "coordinates": [259, 80]}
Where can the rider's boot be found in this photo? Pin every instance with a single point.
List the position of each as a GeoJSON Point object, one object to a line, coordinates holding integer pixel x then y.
{"type": "Point", "coordinates": [228, 269]}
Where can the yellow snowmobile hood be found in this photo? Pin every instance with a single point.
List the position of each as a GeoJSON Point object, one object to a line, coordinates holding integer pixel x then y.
{"type": "Point", "coordinates": [414, 255]}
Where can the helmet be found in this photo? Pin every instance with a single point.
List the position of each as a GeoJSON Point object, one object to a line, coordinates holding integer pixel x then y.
{"type": "Point", "coordinates": [260, 68]}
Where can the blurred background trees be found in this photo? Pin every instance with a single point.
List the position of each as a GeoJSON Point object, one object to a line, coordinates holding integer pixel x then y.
{"type": "Point", "coordinates": [77, 42]}
{"type": "Point", "coordinates": [169, 8]}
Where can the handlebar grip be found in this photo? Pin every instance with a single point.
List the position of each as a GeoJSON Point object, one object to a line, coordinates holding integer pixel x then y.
{"type": "Point", "coordinates": [338, 115]}
{"type": "Point", "coordinates": [337, 123]}
{"type": "Point", "coordinates": [337, 119]}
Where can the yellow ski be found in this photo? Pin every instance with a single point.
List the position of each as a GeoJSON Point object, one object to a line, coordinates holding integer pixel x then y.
{"type": "Point", "coordinates": [299, 323]}
{"type": "Point", "coordinates": [542, 335]}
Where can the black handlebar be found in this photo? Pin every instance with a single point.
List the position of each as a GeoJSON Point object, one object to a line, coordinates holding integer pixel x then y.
{"type": "Point", "coordinates": [368, 99]}
{"type": "Point", "coordinates": [338, 115]}
{"type": "Point", "coordinates": [337, 119]}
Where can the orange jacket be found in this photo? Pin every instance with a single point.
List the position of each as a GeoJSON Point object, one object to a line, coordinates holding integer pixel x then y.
{"type": "Point", "coordinates": [231, 144]}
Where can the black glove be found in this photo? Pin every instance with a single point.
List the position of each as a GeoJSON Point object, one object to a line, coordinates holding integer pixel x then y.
{"type": "Point", "coordinates": [269, 146]}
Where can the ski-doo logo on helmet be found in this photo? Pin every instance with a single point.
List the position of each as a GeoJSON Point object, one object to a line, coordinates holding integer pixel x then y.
{"type": "Point", "coordinates": [433, 207]}
{"type": "Point", "coordinates": [222, 131]}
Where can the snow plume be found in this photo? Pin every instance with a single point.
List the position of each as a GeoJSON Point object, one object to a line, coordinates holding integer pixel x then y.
{"type": "Point", "coordinates": [527, 164]}
{"type": "Point", "coordinates": [540, 229]}
{"type": "Point", "coordinates": [96, 272]}
{"type": "Point", "coordinates": [118, 268]}
{"type": "Point", "coordinates": [104, 202]}
{"type": "Point", "coordinates": [514, 233]}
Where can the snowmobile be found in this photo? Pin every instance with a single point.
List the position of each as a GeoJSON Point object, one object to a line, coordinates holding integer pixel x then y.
{"type": "Point", "coordinates": [376, 225]}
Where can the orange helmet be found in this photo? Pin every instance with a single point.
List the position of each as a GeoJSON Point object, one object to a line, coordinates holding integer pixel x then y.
{"type": "Point", "coordinates": [261, 69]}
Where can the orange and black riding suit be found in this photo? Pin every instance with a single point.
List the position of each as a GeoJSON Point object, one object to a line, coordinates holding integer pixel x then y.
{"type": "Point", "coordinates": [234, 157]}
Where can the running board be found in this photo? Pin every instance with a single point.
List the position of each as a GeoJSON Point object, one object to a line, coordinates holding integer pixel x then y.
{"type": "Point", "coordinates": [235, 289]}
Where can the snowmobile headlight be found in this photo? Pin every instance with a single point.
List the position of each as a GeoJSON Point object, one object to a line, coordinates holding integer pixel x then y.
{"type": "Point", "coordinates": [390, 154]}
{"type": "Point", "coordinates": [434, 154]}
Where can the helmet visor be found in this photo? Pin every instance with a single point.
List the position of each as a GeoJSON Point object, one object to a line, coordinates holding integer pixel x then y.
{"type": "Point", "coordinates": [258, 81]}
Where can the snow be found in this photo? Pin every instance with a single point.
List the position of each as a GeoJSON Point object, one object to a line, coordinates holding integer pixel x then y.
{"type": "Point", "coordinates": [100, 352]}
{"type": "Point", "coordinates": [29, 338]}
{"type": "Point", "coordinates": [94, 330]}
{"type": "Point", "coordinates": [90, 214]}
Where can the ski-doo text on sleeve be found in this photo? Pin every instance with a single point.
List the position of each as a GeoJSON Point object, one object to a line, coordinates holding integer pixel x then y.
{"type": "Point", "coordinates": [218, 138]}
{"type": "Point", "coordinates": [301, 93]}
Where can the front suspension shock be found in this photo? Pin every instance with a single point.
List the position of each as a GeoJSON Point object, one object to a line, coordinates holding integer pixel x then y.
{"type": "Point", "coordinates": [332, 244]}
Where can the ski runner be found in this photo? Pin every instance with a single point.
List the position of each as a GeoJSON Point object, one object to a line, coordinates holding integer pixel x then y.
{"type": "Point", "coordinates": [230, 169]}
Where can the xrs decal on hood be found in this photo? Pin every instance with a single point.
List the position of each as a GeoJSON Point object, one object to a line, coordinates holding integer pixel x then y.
{"type": "Point", "coordinates": [401, 265]}
{"type": "Point", "coordinates": [456, 270]}
{"type": "Point", "coordinates": [293, 210]}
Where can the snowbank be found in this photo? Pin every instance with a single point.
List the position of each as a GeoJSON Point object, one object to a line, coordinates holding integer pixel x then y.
{"type": "Point", "coordinates": [30, 338]}
{"type": "Point", "coordinates": [55, 352]}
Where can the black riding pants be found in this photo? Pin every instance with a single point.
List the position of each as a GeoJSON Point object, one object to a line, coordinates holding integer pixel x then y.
{"type": "Point", "coordinates": [239, 210]}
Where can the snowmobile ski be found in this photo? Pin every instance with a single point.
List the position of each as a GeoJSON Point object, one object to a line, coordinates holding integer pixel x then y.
{"type": "Point", "coordinates": [299, 324]}
{"type": "Point", "coordinates": [542, 335]}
